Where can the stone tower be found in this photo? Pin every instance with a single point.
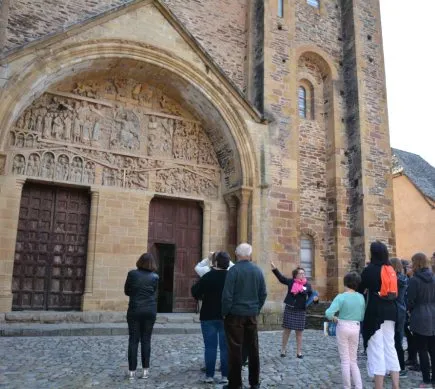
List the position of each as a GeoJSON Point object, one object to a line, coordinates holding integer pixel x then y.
{"type": "Point", "coordinates": [182, 127]}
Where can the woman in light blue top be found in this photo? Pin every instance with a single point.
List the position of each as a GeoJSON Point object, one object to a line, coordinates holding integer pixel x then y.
{"type": "Point", "coordinates": [351, 307]}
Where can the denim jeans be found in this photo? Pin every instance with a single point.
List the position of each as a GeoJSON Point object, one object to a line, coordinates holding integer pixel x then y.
{"type": "Point", "coordinates": [310, 300]}
{"type": "Point", "coordinates": [213, 333]}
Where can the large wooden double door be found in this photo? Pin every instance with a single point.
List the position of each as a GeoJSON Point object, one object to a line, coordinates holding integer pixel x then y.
{"type": "Point", "coordinates": [51, 248]}
{"type": "Point", "coordinates": [175, 226]}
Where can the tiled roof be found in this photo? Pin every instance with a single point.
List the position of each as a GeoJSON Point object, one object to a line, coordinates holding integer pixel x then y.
{"type": "Point", "coordinates": [420, 172]}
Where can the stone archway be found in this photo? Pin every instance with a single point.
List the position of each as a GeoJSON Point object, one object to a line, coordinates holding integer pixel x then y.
{"type": "Point", "coordinates": [126, 119]}
{"type": "Point", "coordinates": [200, 94]}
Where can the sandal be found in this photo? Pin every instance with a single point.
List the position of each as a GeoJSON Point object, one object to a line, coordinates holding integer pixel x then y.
{"type": "Point", "coordinates": [300, 356]}
{"type": "Point", "coordinates": [283, 354]}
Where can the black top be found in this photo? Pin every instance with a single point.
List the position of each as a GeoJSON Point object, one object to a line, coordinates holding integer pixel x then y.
{"type": "Point", "coordinates": [421, 302]}
{"type": "Point", "coordinates": [141, 286]}
{"type": "Point", "coordinates": [209, 290]}
{"type": "Point", "coordinates": [299, 300]}
{"type": "Point", "coordinates": [244, 292]}
{"type": "Point", "coordinates": [378, 310]}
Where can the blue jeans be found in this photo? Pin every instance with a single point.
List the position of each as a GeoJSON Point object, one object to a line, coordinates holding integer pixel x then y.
{"type": "Point", "coordinates": [212, 332]}
{"type": "Point", "coordinates": [310, 300]}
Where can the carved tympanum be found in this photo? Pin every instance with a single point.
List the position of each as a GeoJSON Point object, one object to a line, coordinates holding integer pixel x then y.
{"type": "Point", "coordinates": [114, 133]}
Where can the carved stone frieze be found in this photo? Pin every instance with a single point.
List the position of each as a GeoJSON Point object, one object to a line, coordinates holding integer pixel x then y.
{"type": "Point", "coordinates": [114, 133]}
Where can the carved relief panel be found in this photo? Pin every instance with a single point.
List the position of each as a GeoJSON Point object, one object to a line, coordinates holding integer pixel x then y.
{"type": "Point", "coordinates": [114, 133]}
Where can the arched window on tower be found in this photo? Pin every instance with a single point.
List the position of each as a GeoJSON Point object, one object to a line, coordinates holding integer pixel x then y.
{"type": "Point", "coordinates": [314, 3]}
{"type": "Point", "coordinates": [307, 255]}
{"type": "Point", "coordinates": [280, 8]}
{"type": "Point", "coordinates": [302, 102]}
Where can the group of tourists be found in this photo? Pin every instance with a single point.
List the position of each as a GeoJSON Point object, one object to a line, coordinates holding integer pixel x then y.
{"type": "Point", "coordinates": [389, 299]}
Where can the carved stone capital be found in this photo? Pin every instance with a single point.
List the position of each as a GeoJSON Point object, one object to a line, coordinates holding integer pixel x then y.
{"type": "Point", "coordinates": [231, 200]}
{"type": "Point", "coordinates": [244, 195]}
{"type": "Point", "coordinates": [19, 183]}
{"type": "Point", "coordinates": [206, 206]}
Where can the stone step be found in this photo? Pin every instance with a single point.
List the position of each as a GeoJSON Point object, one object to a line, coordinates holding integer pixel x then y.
{"type": "Point", "coordinates": [170, 327]}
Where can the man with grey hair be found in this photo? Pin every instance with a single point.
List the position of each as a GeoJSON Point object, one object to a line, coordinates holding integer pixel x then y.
{"type": "Point", "coordinates": [243, 297]}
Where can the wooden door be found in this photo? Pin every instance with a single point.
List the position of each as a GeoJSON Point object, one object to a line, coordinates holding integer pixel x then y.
{"type": "Point", "coordinates": [51, 249]}
{"type": "Point", "coordinates": [180, 223]}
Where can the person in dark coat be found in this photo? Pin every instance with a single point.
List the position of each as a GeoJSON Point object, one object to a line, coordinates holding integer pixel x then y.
{"type": "Point", "coordinates": [209, 289]}
{"type": "Point", "coordinates": [399, 331]}
{"type": "Point", "coordinates": [421, 304]}
{"type": "Point", "coordinates": [412, 360]}
{"type": "Point", "coordinates": [141, 286]}
{"type": "Point", "coordinates": [298, 292]}
{"type": "Point", "coordinates": [243, 297]}
{"type": "Point", "coordinates": [379, 321]}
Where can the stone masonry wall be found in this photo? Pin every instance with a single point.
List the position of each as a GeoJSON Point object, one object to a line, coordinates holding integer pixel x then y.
{"type": "Point", "coordinates": [220, 27]}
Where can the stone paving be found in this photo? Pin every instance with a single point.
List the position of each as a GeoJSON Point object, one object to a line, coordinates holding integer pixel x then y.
{"type": "Point", "coordinates": [100, 362]}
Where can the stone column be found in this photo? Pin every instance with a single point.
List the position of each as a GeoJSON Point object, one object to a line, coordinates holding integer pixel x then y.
{"type": "Point", "coordinates": [206, 228]}
{"type": "Point", "coordinates": [231, 201]}
{"type": "Point", "coordinates": [92, 240]}
{"type": "Point", "coordinates": [10, 198]}
{"type": "Point", "coordinates": [244, 195]}
{"type": "Point", "coordinates": [4, 16]}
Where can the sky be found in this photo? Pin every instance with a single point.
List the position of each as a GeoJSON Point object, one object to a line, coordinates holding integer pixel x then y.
{"type": "Point", "coordinates": [408, 29]}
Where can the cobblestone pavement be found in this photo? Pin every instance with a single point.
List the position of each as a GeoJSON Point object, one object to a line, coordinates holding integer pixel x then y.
{"type": "Point", "coordinates": [100, 362]}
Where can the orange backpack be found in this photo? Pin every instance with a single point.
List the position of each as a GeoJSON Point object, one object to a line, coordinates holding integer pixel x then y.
{"type": "Point", "coordinates": [388, 283]}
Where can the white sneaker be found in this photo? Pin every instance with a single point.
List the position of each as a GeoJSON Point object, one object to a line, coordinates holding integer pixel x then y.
{"type": "Point", "coordinates": [223, 380]}
{"type": "Point", "coordinates": [208, 380]}
{"type": "Point", "coordinates": [131, 375]}
{"type": "Point", "coordinates": [145, 374]}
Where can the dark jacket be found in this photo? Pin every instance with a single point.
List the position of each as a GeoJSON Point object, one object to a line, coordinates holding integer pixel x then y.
{"type": "Point", "coordinates": [209, 289]}
{"type": "Point", "coordinates": [402, 286]}
{"type": "Point", "coordinates": [141, 287]}
{"type": "Point", "coordinates": [299, 300]}
{"type": "Point", "coordinates": [244, 292]}
{"type": "Point", "coordinates": [421, 302]}
{"type": "Point", "coordinates": [378, 310]}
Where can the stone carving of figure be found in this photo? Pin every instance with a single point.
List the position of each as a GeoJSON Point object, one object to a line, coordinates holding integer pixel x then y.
{"type": "Point", "coordinates": [68, 126]}
{"type": "Point", "coordinates": [77, 130]}
{"type": "Point", "coordinates": [89, 173]}
{"type": "Point", "coordinates": [29, 141]}
{"type": "Point", "coordinates": [20, 140]}
{"type": "Point", "coordinates": [76, 169]}
{"type": "Point", "coordinates": [160, 137]}
{"type": "Point", "coordinates": [20, 123]}
{"type": "Point", "coordinates": [48, 163]}
{"type": "Point", "coordinates": [107, 177]}
{"type": "Point", "coordinates": [128, 138]}
{"type": "Point", "coordinates": [12, 138]}
{"type": "Point", "coordinates": [27, 118]}
{"type": "Point", "coordinates": [57, 127]}
{"type": "Point", "coordinates": [119, 177]}
{"type": "Point", "coordinates": [31, 126]}
{"type": "Point", "coordinates": [87, 130]}
{"type": "Point", "coordinates": [39, 124]}
{"type": "Point", "coordinates": [96, 132]}
{"type": "Point", "coordinates": [48, 125]}
{"type": "Point", "coordinates": [33, 165]}
{"type": "Point", "coordinates": [19, 164]}
{"type": "Point", "coordinates": [62, 168]}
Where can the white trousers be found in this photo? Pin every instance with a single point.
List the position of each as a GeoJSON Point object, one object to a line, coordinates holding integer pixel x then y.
{"type": "Point", "coordinates": [381, 353]}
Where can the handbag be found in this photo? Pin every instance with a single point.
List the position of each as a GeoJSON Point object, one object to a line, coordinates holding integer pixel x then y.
{"type": "Point", "coordinates": [329, 328]}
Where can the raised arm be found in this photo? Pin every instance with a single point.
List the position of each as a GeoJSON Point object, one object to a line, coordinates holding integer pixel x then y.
{"type": "Point", "coordinates": [333, 308]}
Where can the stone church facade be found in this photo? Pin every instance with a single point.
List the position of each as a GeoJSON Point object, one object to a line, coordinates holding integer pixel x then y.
{"type": "Point", "coordinates": [183, 127]}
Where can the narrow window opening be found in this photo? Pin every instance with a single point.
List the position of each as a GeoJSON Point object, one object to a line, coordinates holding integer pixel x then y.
{"type": "Point", "coordinates": [302, 102]}
{"type": "Point", "coordinates": [280, 8]}
{"type": "Point", "coordinates": [307, 256]}
{"type": "Point", "coordinates": [314, 3]}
